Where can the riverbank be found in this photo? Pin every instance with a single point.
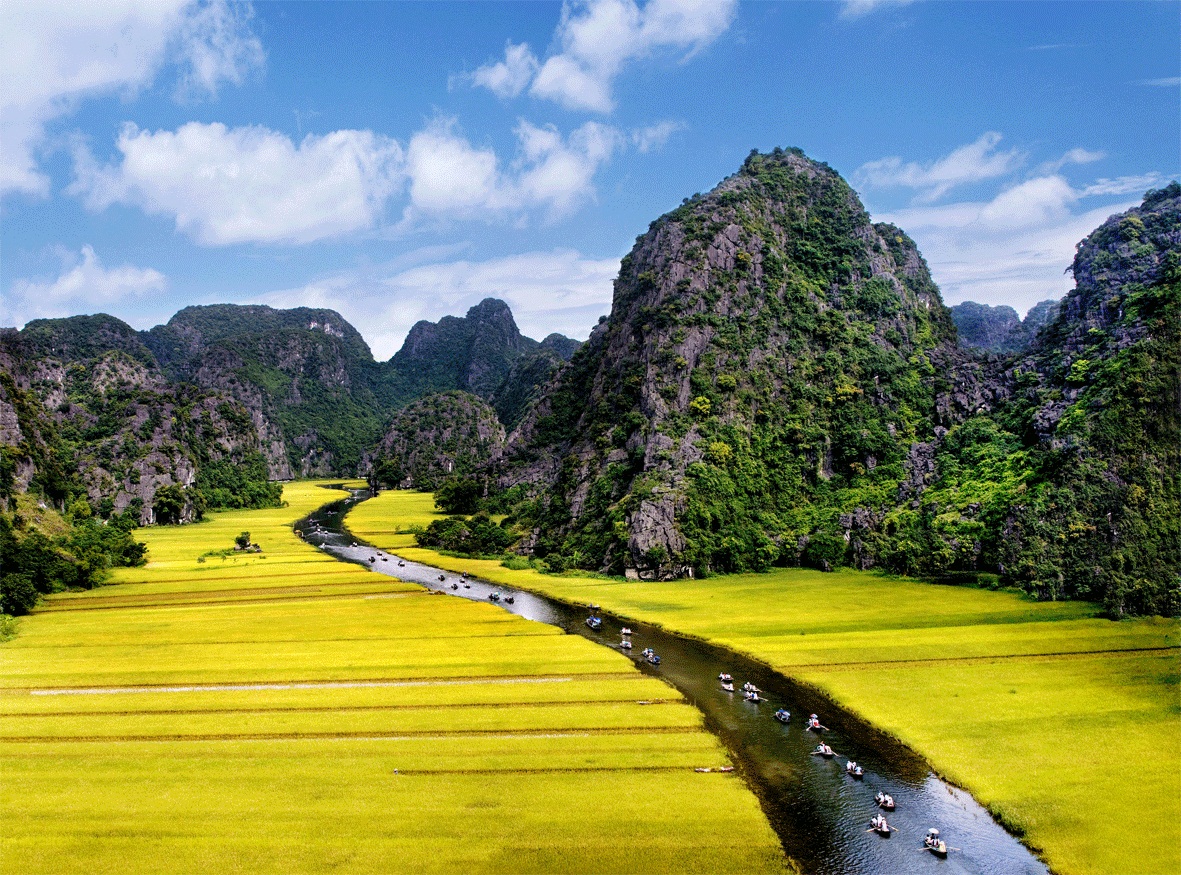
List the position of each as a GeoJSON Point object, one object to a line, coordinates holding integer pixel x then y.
{"type": "Point", "coordinates": [1063, 724]}
{"type": "Point", "coordinates": [221, 711]}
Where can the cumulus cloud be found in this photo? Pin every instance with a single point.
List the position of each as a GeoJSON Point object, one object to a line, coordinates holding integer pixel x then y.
{"type": "Point", "coordinates": [509, 77]}
{"type": "Point", "coordinates": [58, 54]}
{"type": "Point", "coordinates": [84, 284]}
{"type": "Point", "coordinates": [1013, 248]}
{"type": "Point", "coordinates": [1165, 82]}
{"type": "Point", "coordinates": [249, 184]}
{"type": "Point", "coordinates": [451, 178]}
{"type": "Point", "coordinates": [974, 162]}
{"type": "Point", "coordinates": [561, 290]}
{"type": "Point", "coordinates": [595, 40]}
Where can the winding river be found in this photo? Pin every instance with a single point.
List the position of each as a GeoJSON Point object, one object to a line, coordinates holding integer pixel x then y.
{"type": "Point", "coordinates": [820, 814]}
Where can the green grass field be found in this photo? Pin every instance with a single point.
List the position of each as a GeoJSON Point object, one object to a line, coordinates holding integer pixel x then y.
{"type": "Point", "coordinates": [285, 712]}
{"type": "Point", "coordinates": [1065, 725]}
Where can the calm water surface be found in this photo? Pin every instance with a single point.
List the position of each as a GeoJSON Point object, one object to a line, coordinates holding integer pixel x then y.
{"type": "Point", "coordinates": [820, 814]}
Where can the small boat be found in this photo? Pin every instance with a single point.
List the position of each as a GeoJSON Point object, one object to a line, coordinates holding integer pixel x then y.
{"type": "Point", "coordinates": [594, 609]}
{"type": "Point", "coordinates": [653, 659]}
{"type": "Point", "coordinates": [401, 564]}
{"type": "Point", "coordinates": [625, 631]}
{"type": "Point", "coordinates": [455, 586]}
{"type": "Point", "coordinates": [385, 559]}
{"type": "Point", "coordinates": [442, 577]}
{"type": "Point", "coordinates": [878, 824]}
{"type": "Point", "coordinates": [884, 800]}
{"type": "Point", "coordinates": [467, 586]}
{"type": "Point", "coordinates": [510, 599]}
{"type": "Point", "coordinates": [750, 688]}
{"type": "Point", "coordinates": [647, 651]}
{"type": "Point", "coordinates": [752, 696]}
{"type": "Point", "coordinates": [934, 844]}
{"type": "Point", "coordinates": [725, 678]}
{"type": "Point", "coordinates": [594, 623]}
{"type": "Point", "coordinates": [823, 750]}
{"type": "Point", "coordinates": [625, 644]}
{"type": "Point", "coordinates": [729, 688]}
{"type": "Point", "coordinates": [372, 559]}
{"type": "Point", "coordinates": [783, 715]}
{"type": "Point", "coordinates": [851, 768]}
{"type": "Point", "coordinates": [726, 769]}
{"type": "Point", "coordinates": [495, 596]}
{"type": "Point", "coordinates": [814, 724]}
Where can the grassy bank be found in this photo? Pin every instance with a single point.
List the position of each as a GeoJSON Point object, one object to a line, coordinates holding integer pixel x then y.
{"type": "Point", "coordinates": [1066, 725]}
{"type": "Point", "coordinates": [285, 712]}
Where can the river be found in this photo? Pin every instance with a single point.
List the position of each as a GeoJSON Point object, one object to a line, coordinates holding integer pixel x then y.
{"type": "Point", "coordinates": [820, 813]}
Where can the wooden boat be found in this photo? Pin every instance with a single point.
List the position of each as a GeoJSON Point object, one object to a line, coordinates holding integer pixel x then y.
{"type": "Point", "coordinates": [783, 715]}
{"type": "Point", "coordinates": [467, 586]}
{"type": "Point", "coordinates": [879, 825]}
{"type": "Point", "coordinates": [725, 678]}
{"type": "Point", "coordinates": [594, 623]}
{"type": "Point", "coordinates": [495, 596]}
{"type": "Point", "coordinates": [625, 631]}
{"type": "Point", "coordinates": [625, 644]}
{"type": "Point", "coordinates": [372, 558]}
{"type": "Point", "coordinates": [752, 696]}
{"type": "Point", "coordinates": [814, 724]}
{"type": "Point", "coordinates": [401, 564]}
{"type": "Point", "coordinates": [750, 688]}
{"type": "Point", "coordinates": [510, 599]}
{"type": "Point", "coordinates": [385, 559]}
{"type": "Point", "coordinates": [934, 844]}
{"type": "Point", "coordinates": [729, 688]}
{"type": "Point", "coordinates": [442, 577]}
{"type": "Point", "coordinates": [455, 586]}
{"type": "Point", "coordinates": [885, 801]}
{"type": "Point", "coordinates": [653, 659]}
{"type": "Point", "coordinates": [823, 750]}
{"type": "Point", "coordinates": [854, 770]}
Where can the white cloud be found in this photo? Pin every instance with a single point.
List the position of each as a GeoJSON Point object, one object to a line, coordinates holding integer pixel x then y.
{"type": "Point", "coordinates": [509, 77]}
{"type": "Point", "coordinates": [596, 38]}
{"type": "Point", "coordinates": [451, 178]}
{"type": "Point", "coordinates": [654, 136]}
{"type": "Point", "coordinates": [1012, 249]}
{"type": "Point", "coordinates": [216, 45]}
{"type": "Point", "coordinates": [1077, 155]}
{"type": "Point", "coordinates": [250, 184]}
{"type": "Point", "coordinates": [1166, 82]}
{"type": "Point", "coordinates": [84, 284]}
{"type": "Point", "coordinates": [57, 54]}
{"type": "Point", "coordinates": [859, 8]}
{"type": "Point", "coordinates": [1124, 185]}
{"type": "Point", "coordinates": [561, 291]}
{"type": "Point", "coordinates": [971, 163]}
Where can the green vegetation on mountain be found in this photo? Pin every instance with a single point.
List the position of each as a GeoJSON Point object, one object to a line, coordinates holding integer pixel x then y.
{"type": "Point", "coordinates": [779, 384]}
{"type": "Point", "coordinates": [449, 434]}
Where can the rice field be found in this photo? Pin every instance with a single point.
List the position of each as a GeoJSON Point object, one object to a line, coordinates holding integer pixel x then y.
{"type": "Point", "coordinates": [285, 712]}
{"type": "Point", "coordinates": [1065, 725]}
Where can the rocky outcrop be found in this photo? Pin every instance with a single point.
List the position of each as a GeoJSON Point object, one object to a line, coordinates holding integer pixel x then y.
{"type": "Point", "coordinates": [998, 329]}
{"type": "Point", "coordinates": [439, 436]}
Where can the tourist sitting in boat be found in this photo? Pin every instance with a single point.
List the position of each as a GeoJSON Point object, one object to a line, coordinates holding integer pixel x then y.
{"type": "Point", "coordinates": [824, 750]}
{"type": "Point", "coordinates": [934, 844]}
{"type": "Point", "coordinates": [729, 688]}
{"type": "Point", "coordinates": [625, 631]}
{"type": "Point", "coordinates": [783, 715]}
{"type": "Point", "coordinates": [724, 678]}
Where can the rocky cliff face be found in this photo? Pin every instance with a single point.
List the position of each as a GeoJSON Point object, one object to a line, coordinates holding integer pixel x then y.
{"type": "Point", "coordinates": [84, 409]}
{"type": "Point", "coordinates": [768, 349]}
{"type": "Point", "coordinates": [779, 383]}
{"type": "Point", "coordinates": [998, 329]}
{"type": "Point", "coordinates": [439, 436]}
{"type": "Point", "coordinates": [483, 353]}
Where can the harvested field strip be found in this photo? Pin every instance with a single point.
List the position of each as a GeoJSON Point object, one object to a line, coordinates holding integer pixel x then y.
{"type": "Point", "coordinates": [312, 685]}
{"type": "Point", "coordinates": [985, 660]}
{"type": "Point", "coordinates": [314, 596]}
{"type": "Point", "coordinates": [331, 736]}
{"type": "Point", "coordinates": [337, 710]}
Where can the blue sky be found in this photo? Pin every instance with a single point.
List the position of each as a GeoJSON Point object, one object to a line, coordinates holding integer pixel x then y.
{"type": "Point", "coordinates": [402, 161]}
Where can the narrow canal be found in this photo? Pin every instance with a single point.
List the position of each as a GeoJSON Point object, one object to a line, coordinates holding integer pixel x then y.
{"type": "Point", "coordinates": [821, 814]}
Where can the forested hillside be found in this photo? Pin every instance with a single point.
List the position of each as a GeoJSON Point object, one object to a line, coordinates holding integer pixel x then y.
{"type": "Point", "coordinates": [779, 383]}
